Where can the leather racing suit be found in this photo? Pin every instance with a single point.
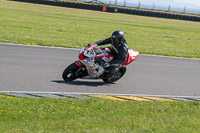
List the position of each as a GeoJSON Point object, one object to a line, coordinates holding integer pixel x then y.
{"type": "Point", "coordinates": [119, 52]}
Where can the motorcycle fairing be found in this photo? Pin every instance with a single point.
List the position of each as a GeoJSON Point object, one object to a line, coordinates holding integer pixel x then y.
{"type": "Point", "coordinates": [94, 69]}
{"type": "Point", "coordinates": [87, 57]}
{"type": "Point", "coordinates": [78, 63]}
{"type": "Point", "coordinates": [132, 55]}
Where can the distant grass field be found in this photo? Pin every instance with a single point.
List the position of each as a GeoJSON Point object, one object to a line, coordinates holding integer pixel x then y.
{"type": "Point", "coordinates": [69, 115]}
{"type": "Point", "coordinates": [67, 27]}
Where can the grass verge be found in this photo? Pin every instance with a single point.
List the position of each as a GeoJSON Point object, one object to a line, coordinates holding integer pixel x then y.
{"type": "Point", "coordinates": [67, 27]}
{"type": "Point", "coordinates": [97, 115]}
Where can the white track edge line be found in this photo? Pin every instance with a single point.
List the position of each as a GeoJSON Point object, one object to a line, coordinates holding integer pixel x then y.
{"type": "Point", "coordinates": [37, 46]}
{"type": "Point", "coordinates": [112, 94]}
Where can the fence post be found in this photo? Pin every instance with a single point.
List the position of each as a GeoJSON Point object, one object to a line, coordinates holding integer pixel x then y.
{"type": "Point", "coordinates": [184, 10]}
{"type": "Point", "coordinates": [153, 6]}
{"type": "Point", "coordinates": [169, 8]}
{"type": "Point", "coordinates": [124, 2]}
{"type": "Point", "coordinates": [139, 4]}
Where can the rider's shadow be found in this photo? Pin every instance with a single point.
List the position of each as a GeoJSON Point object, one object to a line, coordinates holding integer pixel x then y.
{"type": "Point", "coordinates": [83, 83]}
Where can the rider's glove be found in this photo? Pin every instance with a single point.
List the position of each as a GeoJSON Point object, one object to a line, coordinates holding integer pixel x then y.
{"type": "Point", "coordinates": [106, 65]}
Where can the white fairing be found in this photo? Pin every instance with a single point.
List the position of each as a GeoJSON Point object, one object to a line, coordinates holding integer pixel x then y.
{"type": "Point", "coordinates": [89, 53]}
{"type": "Point", "coordinates": [133, 53]}
{"type": "Point", "coordinates": [92, 52]}
{"type": "Point", "coordinates": [81, 50]}
{"type": "Point", "coordinates": [94, 70]}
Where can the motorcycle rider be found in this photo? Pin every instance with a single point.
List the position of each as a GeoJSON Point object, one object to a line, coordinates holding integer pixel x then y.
{"type": "Point", "coordinates": [119, 49]}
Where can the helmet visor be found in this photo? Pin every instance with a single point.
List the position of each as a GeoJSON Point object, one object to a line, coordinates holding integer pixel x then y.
{"type": "Point", "coordinates": [115, 41]}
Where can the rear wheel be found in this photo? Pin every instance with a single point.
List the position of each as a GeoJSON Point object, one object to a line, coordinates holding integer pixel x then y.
{"type": "Point", "coordinates": [69, 74]}
{"type": "Point", "coordinates": [116, 76]}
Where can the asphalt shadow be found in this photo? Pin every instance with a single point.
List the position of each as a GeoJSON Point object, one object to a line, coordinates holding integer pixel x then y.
{"type": "Point", "coordinates": [83, 83]}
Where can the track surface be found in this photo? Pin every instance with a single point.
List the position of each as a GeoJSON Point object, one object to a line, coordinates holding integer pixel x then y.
{"type": "Point", "coordinates": [27, 68]}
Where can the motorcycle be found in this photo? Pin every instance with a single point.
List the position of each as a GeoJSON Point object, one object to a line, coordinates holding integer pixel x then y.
{"type": "Point", "coordinates": [89, 65]}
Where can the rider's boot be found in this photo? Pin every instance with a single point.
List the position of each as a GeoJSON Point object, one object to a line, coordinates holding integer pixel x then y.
{"type": "Point", "coordinates": [109, 72]}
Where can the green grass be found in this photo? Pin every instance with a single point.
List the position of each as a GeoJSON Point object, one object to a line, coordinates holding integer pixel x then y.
{"type": "Point", "coordinates": [97, 115]}
{"type": "Point", "coordinates": [75, 28]}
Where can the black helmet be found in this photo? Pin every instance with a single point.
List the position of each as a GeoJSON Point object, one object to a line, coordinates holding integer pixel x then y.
{"type": "Point", "coordinates": [117, 38]}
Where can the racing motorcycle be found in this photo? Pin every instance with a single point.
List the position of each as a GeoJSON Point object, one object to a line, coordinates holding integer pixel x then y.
{"type": "Point", "coordinates": [89, 65]}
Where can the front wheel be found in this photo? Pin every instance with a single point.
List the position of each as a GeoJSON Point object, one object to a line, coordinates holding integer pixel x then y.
{"type": "Point", "coordinates": [116, 76]}
{"type": "Point", "coordinates": [69, 74]}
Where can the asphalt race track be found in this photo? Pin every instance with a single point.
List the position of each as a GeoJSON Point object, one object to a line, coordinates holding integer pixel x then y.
{"type": "Point", "coordinates": [32, 68]}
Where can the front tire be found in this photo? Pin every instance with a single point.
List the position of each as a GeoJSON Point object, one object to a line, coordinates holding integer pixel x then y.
{"type": "Point", "coordinates": [69, 74]}
{"type": "Point", "coordinates": [116, 76]}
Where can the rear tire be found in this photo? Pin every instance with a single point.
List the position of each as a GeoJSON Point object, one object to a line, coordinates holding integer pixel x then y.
{"type": "Point", "coordinates": [116, 76]}
{"type": "Point", "coordinates": [69, 73]}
